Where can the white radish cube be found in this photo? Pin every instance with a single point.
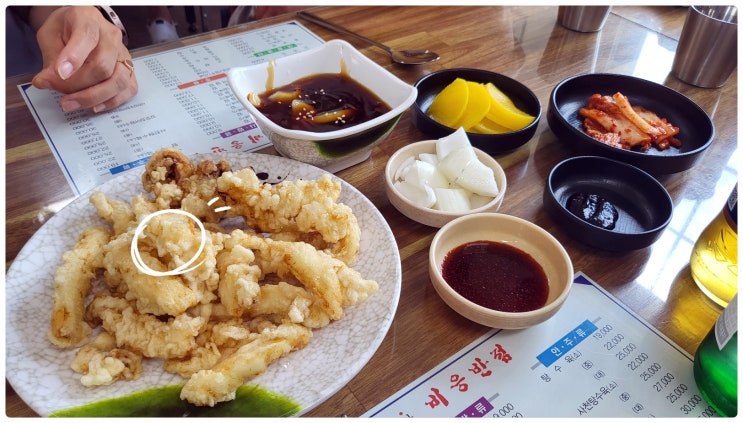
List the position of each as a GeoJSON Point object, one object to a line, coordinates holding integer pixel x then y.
{"type": "Point", "coordinates": [404, 167]}
{"type": "Point", "coordinates": [453, 164]}
{"type": "Point", "coordinates": [423, 173]}
{"type": "Point", "coordinates": [454, 200]}
{"type": "Point", "coordinates": [477, 201]}
{"type": "Point", "coordinates": [454, 141]}
{"type": "Point", "coordinates": [422, 195]}
{"type": "Point", "coordinates": [479, 179]}
{"type": "Point", "coordinates": [429, 158]}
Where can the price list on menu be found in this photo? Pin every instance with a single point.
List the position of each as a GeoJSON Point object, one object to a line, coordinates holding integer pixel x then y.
{"type": "Point", "coordinates": [594, 358]}
{"type": "Point", "coordinates": [183, 101]}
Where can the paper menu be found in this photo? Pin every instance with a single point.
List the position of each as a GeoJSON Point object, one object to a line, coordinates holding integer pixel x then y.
{"type": "Point", "coordinates": [594, 358]}
{"type": "Point", "coordinates": [183, 101]}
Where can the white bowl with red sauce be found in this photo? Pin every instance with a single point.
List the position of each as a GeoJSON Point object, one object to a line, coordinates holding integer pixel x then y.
{"type": "Point", "coordinates": [331, 150]}
{"type": "Point", "coordinates": [499, 270]}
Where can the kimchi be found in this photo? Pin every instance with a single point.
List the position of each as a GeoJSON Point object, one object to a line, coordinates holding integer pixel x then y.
{"type": "Point", "coordinates": [614, 121]}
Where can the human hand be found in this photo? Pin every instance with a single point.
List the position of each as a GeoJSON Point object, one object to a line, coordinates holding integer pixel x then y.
{"type": "Point", "coordinates": [84, 58]}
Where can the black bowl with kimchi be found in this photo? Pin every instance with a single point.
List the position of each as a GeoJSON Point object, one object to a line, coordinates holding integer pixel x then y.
{"type": "Point", "coordinates": [665, 151]}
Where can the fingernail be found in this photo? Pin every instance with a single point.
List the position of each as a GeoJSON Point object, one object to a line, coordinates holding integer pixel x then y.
{"type": "Point", "coordinates": [65, 70]}
{"type": "Point", "coordinates": [99, 108]}
{"type": "Point", "coordinates": [70, 106]}
{"type": "Point", "coordinates": [41, 83]}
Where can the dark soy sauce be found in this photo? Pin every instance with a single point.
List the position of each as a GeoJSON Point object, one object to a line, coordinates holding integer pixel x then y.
{"type": "Point", "coordinates": [594, 209]}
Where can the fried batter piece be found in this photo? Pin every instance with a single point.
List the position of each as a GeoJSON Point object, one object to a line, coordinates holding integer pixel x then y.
{"type": "Point", "coordinates": [167, 242]}
{"type": "Point", "coordinates": [101, 363]}
{"type": "Point", "coordinates": [173, 240]}
{"type": "Point", "coordinates": [305, 208]}
{"type": "Point", "coordinates": [294, 207]}
{"type": "Point", "coordinates": [115, 212]}
{"type": "Point", "coordinates": [334, 285]}
{"type": "Point", "coordinates": [201, 357]}
{"type": "Point", "coordinates": [218, 384]}
{"type": "Point", "coordinates": [167, 164]}
{"type": "Point", "coordinates": [179, 183]}
{"type": "Point", "coordinates": [291, 302]}
{"type": "Point", "coordinates": [239, 277]}
{"type": "Point", "coordinates": [145, 333]}
{"type": "Point", "coordinates": [72, 281]}
{"type": "Point", "coordinates": [158, 295]}
{"type": "Point", "coordinates": [219, 340]}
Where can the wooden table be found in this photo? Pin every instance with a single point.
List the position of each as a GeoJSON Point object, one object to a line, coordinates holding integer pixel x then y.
{"type": "Point", "coordinates": [524, 43]}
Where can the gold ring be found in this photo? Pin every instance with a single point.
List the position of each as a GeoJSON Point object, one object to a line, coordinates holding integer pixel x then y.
{"type": "Point", "coordinates": [129, 64]}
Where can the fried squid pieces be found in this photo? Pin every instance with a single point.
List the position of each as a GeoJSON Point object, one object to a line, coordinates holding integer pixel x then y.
{"type": "Point", "coordinates": [615, 122]}
{"type": "Point", "coordinates": [281, 270]}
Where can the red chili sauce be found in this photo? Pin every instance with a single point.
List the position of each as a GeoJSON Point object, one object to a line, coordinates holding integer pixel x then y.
{"type": "Point", "coordinates": [321, 103]}
{"type": "Point", "coordinates": [497, 276]}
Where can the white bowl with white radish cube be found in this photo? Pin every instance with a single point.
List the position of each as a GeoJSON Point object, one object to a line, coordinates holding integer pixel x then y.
{"type": "Point", "coordinates": [436, 181]}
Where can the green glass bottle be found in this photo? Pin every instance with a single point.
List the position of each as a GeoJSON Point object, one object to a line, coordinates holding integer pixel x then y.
{"type": "Point", "coordinates": [716, 363]}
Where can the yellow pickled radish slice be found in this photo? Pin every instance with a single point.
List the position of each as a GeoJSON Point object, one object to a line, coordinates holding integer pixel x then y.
{"type": "Point", "coordinates": [448, 106]}
{"type": "Point", "coordinates": [500, 96]}
{"type": "Point", "coordinates": [504, 112]}
{"type": "Point", "coordinates": [478, 105]}
{"type": "Point", "coordinates": [487, 126]}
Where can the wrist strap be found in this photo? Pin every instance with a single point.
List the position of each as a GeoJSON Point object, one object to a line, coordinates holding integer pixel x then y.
{"type": "Point", "coordinates": [112, 17]}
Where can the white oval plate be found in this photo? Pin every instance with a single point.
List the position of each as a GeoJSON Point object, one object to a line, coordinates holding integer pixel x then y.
{"type": "Point", "coordinates": [40, 373]}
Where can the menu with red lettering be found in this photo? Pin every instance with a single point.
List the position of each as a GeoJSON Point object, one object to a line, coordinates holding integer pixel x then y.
{"type": "Point", "coordinates": [183, 101]}
{"type": "Point", "coordinates": [594, 358]}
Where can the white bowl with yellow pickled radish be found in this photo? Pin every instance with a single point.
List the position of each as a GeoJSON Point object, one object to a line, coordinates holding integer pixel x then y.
{"type": "Point", "coordinates": [498, 113]}
{"type": "Point", "coordinates": [436, 181]}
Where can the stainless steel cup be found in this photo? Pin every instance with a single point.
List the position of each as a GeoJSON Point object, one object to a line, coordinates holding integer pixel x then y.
{"type": "Point", "coordinates": [583, 18]}
{"type": "Point", "coordinates": [707, 51]}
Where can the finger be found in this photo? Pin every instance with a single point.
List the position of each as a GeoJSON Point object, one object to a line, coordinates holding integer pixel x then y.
{"type": "Point", "coordinates": [99, 67]}
{"type": "Point", "coordinates": [100, 62]}
{"type": "Point", "coordinates": [82, 41]}
{"type": "Point", "coordinates": [131, 87]}
{"type": "Point", "coordinates": [106, 95]}
{"type": "Point", "coordinates": [114, 102]}
{"type": "Point", "coordinates": [50, 47]}
{"type": "Point", "coordinates": [68, 40]}
{"type": "Point", "coordinates": [91, 73]}
{"type": "Point", "coordinates": [49, 36]}
{"type": "Point", "coordinates": [50, 44]}
{"type": "Point", "coordinates": [43, 79]}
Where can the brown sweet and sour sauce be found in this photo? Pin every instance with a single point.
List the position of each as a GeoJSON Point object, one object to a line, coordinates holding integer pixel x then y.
{"type": "Point", "coordinates": [321, 103]}
{"type": "Point", "coordinates": [497, 276]}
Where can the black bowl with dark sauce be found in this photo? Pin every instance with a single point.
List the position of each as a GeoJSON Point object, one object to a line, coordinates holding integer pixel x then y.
{"type": "Point", "coordinates": [643, 206]}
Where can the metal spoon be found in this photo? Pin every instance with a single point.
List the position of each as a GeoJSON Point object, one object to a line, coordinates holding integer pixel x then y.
{"type": "Point", "coordinates": [405, 57]}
